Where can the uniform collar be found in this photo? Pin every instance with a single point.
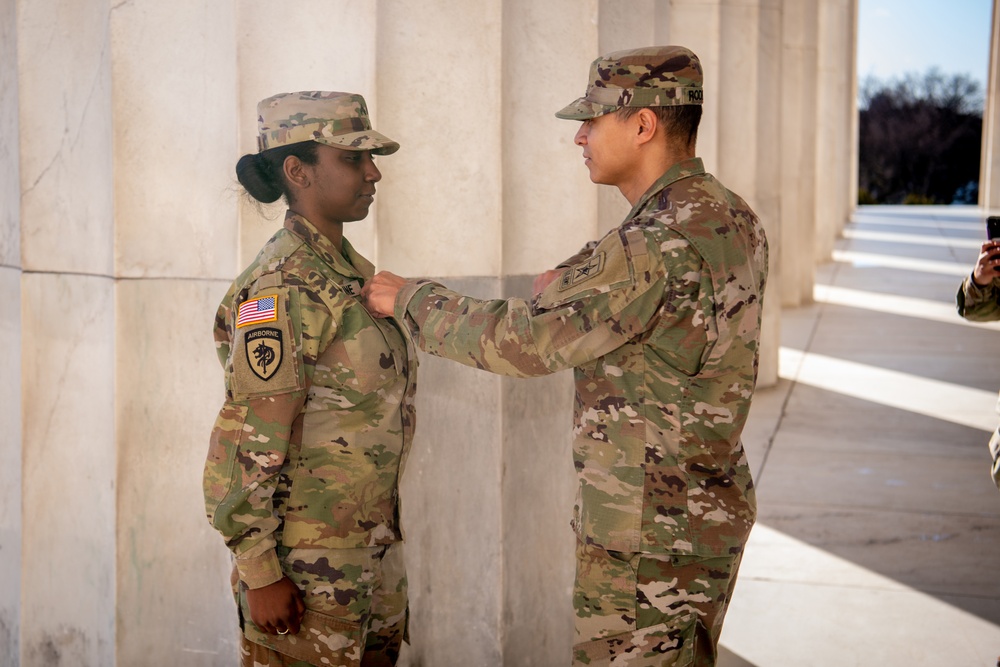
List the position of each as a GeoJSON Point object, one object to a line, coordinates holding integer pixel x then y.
{"type": "Point", "coordinates": [683, 169]}
{"type": "Point", "coordinates": [347, 263]}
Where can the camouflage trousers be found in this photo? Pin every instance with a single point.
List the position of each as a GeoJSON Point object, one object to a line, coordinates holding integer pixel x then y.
{"type": "Point", "coordinates": [356, 610]}
{"type": "Point", "coordinates": [641, 610]}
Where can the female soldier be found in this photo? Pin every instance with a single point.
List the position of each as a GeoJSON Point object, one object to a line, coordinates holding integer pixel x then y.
{"type": "Point", "coordinates": [305, 457]}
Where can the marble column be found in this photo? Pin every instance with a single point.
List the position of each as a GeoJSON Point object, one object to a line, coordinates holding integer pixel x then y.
{"type": "Point", "coordinates": [340, 57]}
{"type": "Point", "coordinates": [625, 24]}
{"type": "Point", "coordinates": [798, 151]}
{"type": "Point", "coordinates": [175, 123]}
{"type": "Point", "coordinates": [989, 173]}
{"type": "Point", "coordinates": [67, 333]}
{"type": "Point", "coordinates": [440, 72]}
{"type": "Point", "coordinates": [697, 24]}
{"type": "Point", "coordinates": [836, 106]}
{"type": "Point", "coordinates": [10, 332]}
{"type": "Point", "coordinates": [747, 132]}
{"type": "Point", "coordinates": [767, 200]}
{"type": "Point", "coordinates": [547, 51]}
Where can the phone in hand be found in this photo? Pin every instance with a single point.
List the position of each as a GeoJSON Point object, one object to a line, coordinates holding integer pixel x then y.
{"type": "Point", "coordinates": [993, 227]}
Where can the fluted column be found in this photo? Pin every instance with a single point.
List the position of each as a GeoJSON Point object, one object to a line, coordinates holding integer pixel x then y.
{"type": "Point", "coordinates": [836, 107]}
{"type": "Point", "coordinates": [798, 151]}
{"type": "Point", "coordinates": [440, 67]}
{"type": "Point", "coordinates": [340, 57]}
{"type": "Point", "coordinates": [697, 24]}
{"type": "Point", "coordinates": [174, 111]}
{"type": "Point", "coordinates": [746, 136]}
{"type": "Point", "coordinates": [10, 332]}
{"type": "Point", "coordinates": [624, 24]}
{"type": "Point", "coordinates": [544, 220]}
{"type": "Point", "coordinates": [67, 333]}
{"type": "Point", "coordinates": [989, 174]}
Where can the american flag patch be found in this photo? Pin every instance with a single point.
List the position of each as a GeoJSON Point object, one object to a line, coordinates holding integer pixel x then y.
{"type": "Point", "coordinates": [255, 311]}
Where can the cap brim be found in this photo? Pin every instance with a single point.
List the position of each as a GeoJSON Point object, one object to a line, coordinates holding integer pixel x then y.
{"type": "Point", "coordinates": [368, 140]}
{"type": "Point", "coordinates": [584, 109]}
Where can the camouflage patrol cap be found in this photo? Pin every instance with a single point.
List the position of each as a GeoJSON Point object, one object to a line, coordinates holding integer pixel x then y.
{"type": "Point", "coordinates": [335, 119]}
{"type": "Point", "coordinates": [655, 76]}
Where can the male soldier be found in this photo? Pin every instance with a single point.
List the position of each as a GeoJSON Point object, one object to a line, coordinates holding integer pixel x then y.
{"type": "Point", "coordinates": [979, 301]}
{"type": "Point", "coordinates": [660, 321]}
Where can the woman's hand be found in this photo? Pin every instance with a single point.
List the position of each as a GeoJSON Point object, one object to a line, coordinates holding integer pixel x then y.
{"type": "Point", "coordinates": [277, 608]}
{"type": "Point", "coordinates": [988, 265]}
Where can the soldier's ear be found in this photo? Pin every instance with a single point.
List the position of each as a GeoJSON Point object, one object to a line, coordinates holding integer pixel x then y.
{"type": "Point", "coordinates": [296, 174]}
{"type": "Point", "coordinates": [646, 124]}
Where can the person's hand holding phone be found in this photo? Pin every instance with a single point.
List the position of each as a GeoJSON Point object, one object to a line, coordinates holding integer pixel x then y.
{"type": "Point", "coordinates": [988, 265]}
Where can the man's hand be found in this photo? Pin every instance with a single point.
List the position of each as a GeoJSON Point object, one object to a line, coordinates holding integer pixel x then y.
{"type": "Point", "coordinates": [988, 265]}
{"type": "Point", "coordinates": [277, 608]}
{"type": "Point", "coordinates": [543, 280]}
{"type": "Point", "coordinates": [379, 294]}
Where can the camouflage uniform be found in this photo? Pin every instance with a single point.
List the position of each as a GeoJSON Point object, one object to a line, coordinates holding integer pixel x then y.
{"type": "Point", "coordinates": [982, 304]}
{"type": "Point", "coordinates": [304, 462]}
{"type": "Point", "coordinates": [660, 322]}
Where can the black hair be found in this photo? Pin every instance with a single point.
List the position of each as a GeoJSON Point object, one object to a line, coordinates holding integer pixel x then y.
{"type": "Point", "coordinates": [680, 121]}
{"type": "Point", "coordinates": [263, 175]}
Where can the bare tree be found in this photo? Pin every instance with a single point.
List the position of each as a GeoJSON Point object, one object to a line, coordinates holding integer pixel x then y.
{"type": "Point", "coordinates": [920, 139]}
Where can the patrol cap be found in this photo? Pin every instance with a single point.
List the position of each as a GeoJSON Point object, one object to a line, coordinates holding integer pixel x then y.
{"type": "Point", "coordinates": [335, 119]}
{"type": "Point", "coordinates": [655, 76]}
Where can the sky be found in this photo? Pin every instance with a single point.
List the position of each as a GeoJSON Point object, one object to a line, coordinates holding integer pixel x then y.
{"type": "Point", "coordinates": [896, 37]}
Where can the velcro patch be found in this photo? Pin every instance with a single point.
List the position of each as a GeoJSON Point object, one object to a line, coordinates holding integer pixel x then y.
{"type": "Point", "coordinates": [264, 349]}
{"type": "Point", "coordinates": [584, 271]}
{"type": "Point", "coordinates": [257, 311]}
{"type": "Point", "coordinates": [352, 288]}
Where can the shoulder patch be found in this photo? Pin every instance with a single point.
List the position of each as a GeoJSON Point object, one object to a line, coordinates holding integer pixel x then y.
{"type": "Point", "coordinates": [607, 269]}
{"type": "Point", "coordinates": [257, 311]}
{"type": "Point", "coordinates": [264, 350]}
{"type": "Point", "coordinates": [578, 273]}
{"type": "Point", "coordinates": [265, 358]}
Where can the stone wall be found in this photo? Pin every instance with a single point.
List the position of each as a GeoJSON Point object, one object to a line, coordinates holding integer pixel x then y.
{"type": "Point", "coordinates": [121, 227]}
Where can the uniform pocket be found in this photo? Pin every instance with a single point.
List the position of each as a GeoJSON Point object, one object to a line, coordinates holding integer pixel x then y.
{"type": "Point", "coordinates": [223, 445]}
{"type": "Point", "coordinates": [358, 361]}
{"type": "Point", "coordinates": [321, 640]}
{"type": "Point", "coordinates": [665, 645]}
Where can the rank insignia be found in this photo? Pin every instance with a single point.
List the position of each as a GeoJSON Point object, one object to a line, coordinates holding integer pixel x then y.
{"type": "Point", "coordinates": [264, 351]}
{"type": "Point", "coordinates": [584, 271]}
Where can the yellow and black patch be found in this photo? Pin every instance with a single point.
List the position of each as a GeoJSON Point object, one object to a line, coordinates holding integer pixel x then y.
{"type": "Point", "coordinates": [582, 272]}
{"type": "Point", "coordinates": [264, 351]}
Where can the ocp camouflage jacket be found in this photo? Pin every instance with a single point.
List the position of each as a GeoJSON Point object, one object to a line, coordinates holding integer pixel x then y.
{"type": "Point", "coordinates": [318, 418]}
{"type": "Point", "coordinates": [661, 323]}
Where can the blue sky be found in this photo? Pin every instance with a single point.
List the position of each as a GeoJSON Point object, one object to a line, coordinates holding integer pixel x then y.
{"type": "Point", "coordinates": [896, 37]}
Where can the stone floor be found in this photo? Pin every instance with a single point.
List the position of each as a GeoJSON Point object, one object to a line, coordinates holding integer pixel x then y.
{"type": "Point", "coordinates": [878, 536]}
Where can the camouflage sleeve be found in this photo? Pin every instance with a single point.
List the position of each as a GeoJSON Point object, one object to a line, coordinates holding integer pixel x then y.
{"type": "Point", "coordinates": [268, 373]}
{"type": "Point", "coordinates": [613, 295]}
{"type": "Point", "coordinates": [978, 304]}
{"type": "Point", "coordinates": [223, 327]}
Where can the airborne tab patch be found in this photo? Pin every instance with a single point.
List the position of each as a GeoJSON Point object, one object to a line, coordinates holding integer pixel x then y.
{"type": "Point", "coordinates": [264, 351]}
{"type": "Point", "coordinates": [584, 271]}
